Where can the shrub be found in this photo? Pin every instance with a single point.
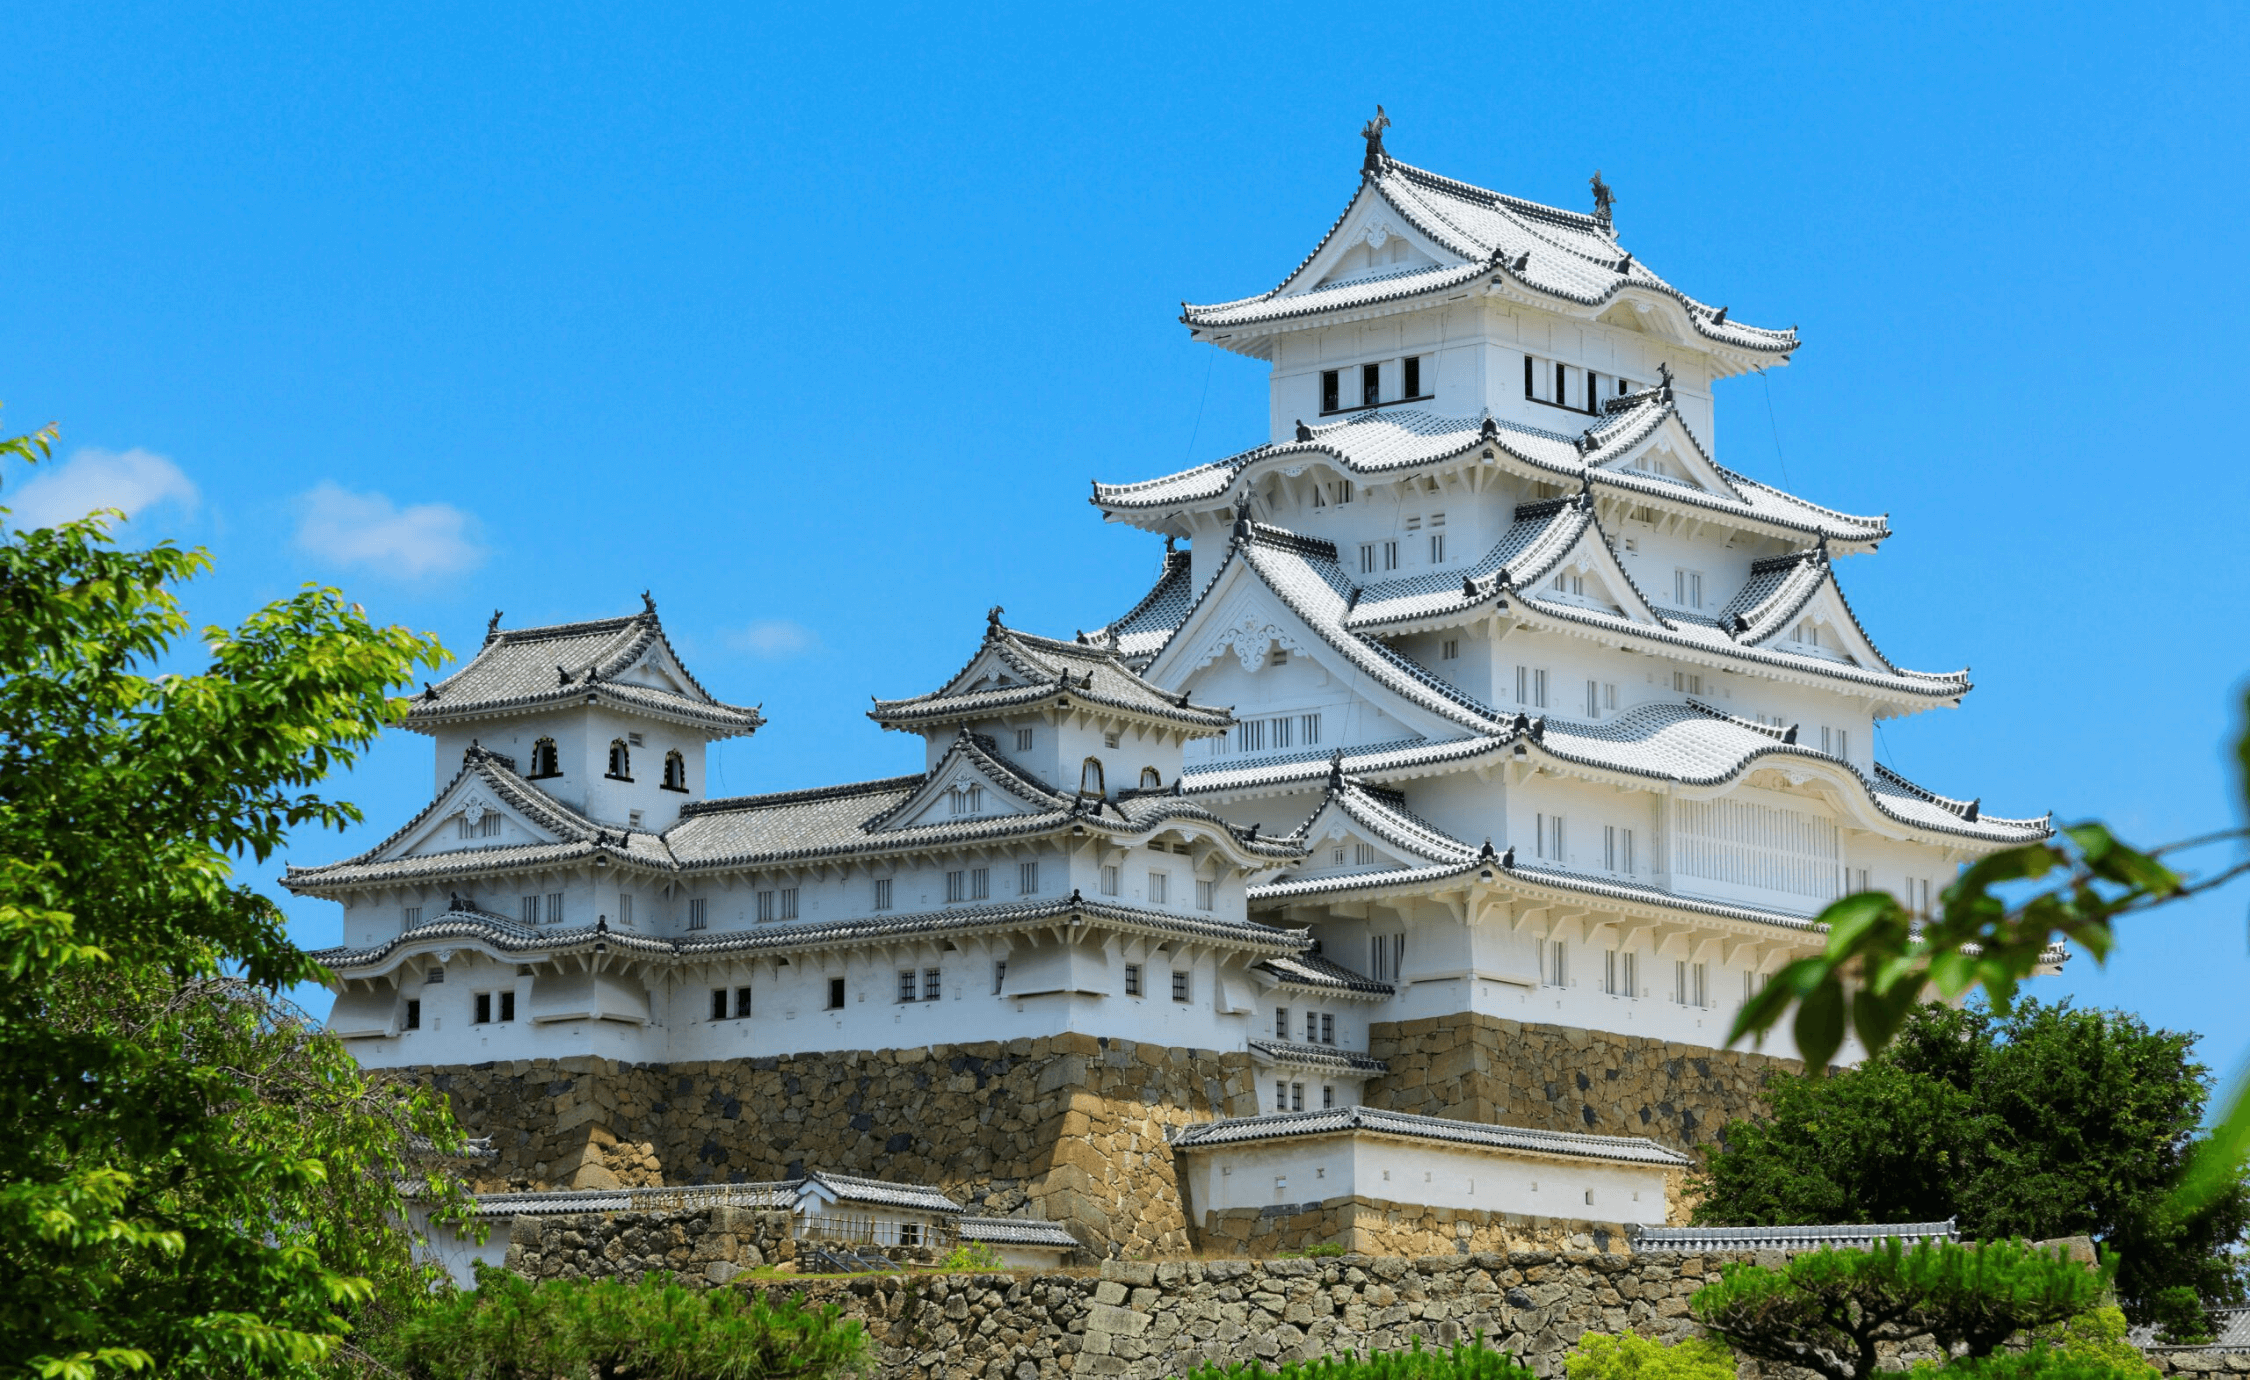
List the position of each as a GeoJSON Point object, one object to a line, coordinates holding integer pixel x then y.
{"type": "Point", "coordinates": [1471, 1360]}
{"type": "Point", "coordinates": [1323, 1251]}
{"type": "Point", "coordinates": [972, 1255]}
{"type": "Point", "coordinates": [1828, 1311]}
{"type": "Point", "coordinates": [2042, 1363]}
{"type": "Point", "coordinates": [512, 1329]}
{"type": "Point", "coordinates": [1630, 1356]}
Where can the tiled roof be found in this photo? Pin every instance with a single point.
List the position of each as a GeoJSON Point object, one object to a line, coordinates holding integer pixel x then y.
{"type": "Point", "coordinates": [1295, 1054]}
{"type": "Point", "coordinates": [1015, 1231]}
{"type": "Point", "coordinates": [1701, 1240]}
{"type": "Point", "coordinates": [525, 670]}
{"type": "Point", "coordinates": [2230, 1331]}
{"type": "Point", "coordinates": [1373, 445]}
{"type": "Point", "coordinates": [1207, 1135]}
{"type": "Point", "coordinates": [1540, 537]}
{"type": "Point", "coordinates": [1286, 770]}
{"type": "Point", "coordinates": [1312, 970]}
{"type": "Point", "coordinates": [1041, 671]}
{"type": "Point", "coordinates": [1143, 631]}
{"type": "Point", "coordinates": [852, 1189]}
{"type": "Point", "coordinates": [580, 838]}
{"type": "Point", "coordinates": [1517, 244]}
{"type": "Point", "coordinates": [771, 1195]}
{"type": "Point", "coordinates": [524, 943]}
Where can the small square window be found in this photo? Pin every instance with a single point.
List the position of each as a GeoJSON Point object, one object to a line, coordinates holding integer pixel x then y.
{"type": "Point", "coordinates": [882, 893]}
{"type": "Point", "coordinates": [789, 903]}
{"type": "Point", "coordinates": [980, 883]}
{"type": "Point", "coordinates": [1451, 650]}
{"type": "Point", "coordinates": [1110, 740]}
{"type": "Point", "coordinates": [835, 994]}
{"type": "Point", "coordinates": [1159, 888]}
{"type": "Point", "coordinates": [1132, 979]}
{"type": "Point", "coordinates": [1206, 895]}
{"type": "Point", "coordinates": [1027, 878]}
{"type": "Point", "coordinates": [1023, 740]}
{"type": "Point", "coordinates": [1110, 881]}
{"type": "Point", "coordinates": [1181, 990]}
{"type": "Point", "coordinates": [633, 818]}
{"type": "Point", "coordinates": [634, 739]}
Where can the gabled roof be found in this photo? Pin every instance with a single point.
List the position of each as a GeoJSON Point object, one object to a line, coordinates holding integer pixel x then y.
{"type": "Point", "coordinates": [625, 663]}
{"type": "Point", "coordinates": [1314, 972]}
{"type": "Point", "coordinates": [851, 1188]}
{"type": "Point", "coordinates": [1143, 631]}
{"type": "Point", "coordinates": [1380, 445]}
{"type": "Point", "coordinates": [1513, 248]}
{"type": "Point", "coordinates": [1015, 1231]}
{"type": "Point", "coordinates": [520, 943]}
{"type": "Point", "coordinates": [1383, 816]}
{"type": "Point", "coordinates": [1014, 671]}
{"type": "Point", "coordinates": [572, 837]}
{"type": "Point", "coordinates": [1297, 1055]}
{"type": "Point", "coordinates": [1545, 537]}
{"type": "Point", "coordinates": [975, 758]}
{"type": "Point", "coordinates": [1212, 1135]}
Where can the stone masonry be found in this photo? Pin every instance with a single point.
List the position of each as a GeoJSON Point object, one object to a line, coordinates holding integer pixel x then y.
{"type": "Point", "coordinates": [711, 1244]}
{"type": "Point", "coordinates": [1557, 1078]}
{"type": "Point", "coordinates": [1371, 1226]}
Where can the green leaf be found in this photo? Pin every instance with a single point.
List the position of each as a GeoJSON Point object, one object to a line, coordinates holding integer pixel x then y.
{"type": "Point", "coordinates": [1820, 1025]}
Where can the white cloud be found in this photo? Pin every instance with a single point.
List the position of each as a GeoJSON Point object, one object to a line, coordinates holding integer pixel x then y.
{"type": "Point", "coordinates": [369, 529]}
{"type": "Point", "coordinates": [774, 639]}
{"type": "Point", "coordinates": [133, 480]}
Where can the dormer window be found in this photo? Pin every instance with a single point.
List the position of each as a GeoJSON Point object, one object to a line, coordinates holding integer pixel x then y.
{"type": "Point", "coordinates": [675, 772]}
{"type": "Point", "coordinates": [620, 760]}
{"type": "Point", "coordinates": [545, 761]}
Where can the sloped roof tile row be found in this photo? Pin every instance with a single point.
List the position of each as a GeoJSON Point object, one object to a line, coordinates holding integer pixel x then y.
{"type": "Point", "coordinates": [1210, 1135]}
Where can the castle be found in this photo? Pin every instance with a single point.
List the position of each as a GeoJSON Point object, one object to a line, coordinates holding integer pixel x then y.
{"type": "Point", "coordinates": [1481, 746]}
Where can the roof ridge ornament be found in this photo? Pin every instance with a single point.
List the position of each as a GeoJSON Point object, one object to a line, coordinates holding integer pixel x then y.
{"type": "Point", "coordinates": [1523, 261]}
{"type": "Point", "coordinates": [492, 629]}
{"type": "Point", "coordinates": [1304, 433]}
{"type": "Point", "coordinates": [648, 604]}
{"type": "Point", "coordinates": [1664, 373]}
{"type": "Point", "coordinates": [562, 677]}
{"type": "Point", "coordinates": [1372, 132]}
{"type": "Point", "coordinates": [1605, 200]}
{"type": "Point", "coordinates": [1336, 771]}
{"type": "Point", "coordinates": [1719, 317]}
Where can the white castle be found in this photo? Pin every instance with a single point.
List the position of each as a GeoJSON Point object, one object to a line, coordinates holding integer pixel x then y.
{"type": "Point", "coordinates": [1481, 687]}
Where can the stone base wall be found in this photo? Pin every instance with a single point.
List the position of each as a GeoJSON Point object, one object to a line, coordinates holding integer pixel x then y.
{"type": "Point", "coordinates": [712, 1245]}
{"type": "Point", "coordinates": [1370, 1226]}
{"type": "Point", "coordinates": [1557, 1078]}
{"type": "Point", "coordinates": [2189, 1361]}
{"type": "Point", "coordinates": [1070, 1126]}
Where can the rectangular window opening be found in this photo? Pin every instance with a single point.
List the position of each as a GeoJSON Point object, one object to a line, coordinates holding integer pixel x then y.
{"type": "Point", "coordinates": [835, 994]}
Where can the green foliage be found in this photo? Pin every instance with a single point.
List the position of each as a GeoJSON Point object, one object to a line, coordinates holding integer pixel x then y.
{"type": "Point", "coordinates": [1471, 1360]}
{"type": "Point", "coordinates": [2098, 1335]}
{"type": "Point", "coordinates": [196, 1181]}
{"type": "Point", "coordinates": [2043, 1363]}
{"type": "Point", "coordinates": [1630, 1356]}
{"type": "Point", "coordinates": [1326, 1250]}
{"type": "Point", "coordinates": [2047, 1121]}
{"type": "Point", "coordinates": [512, 1329]}
{"type": "Point", "coordinates": [972, 1255]}
{"type": "Point", "coordinates": [1829, 1310]}
{"type": "Point", "coordinates": [2179, 1317]}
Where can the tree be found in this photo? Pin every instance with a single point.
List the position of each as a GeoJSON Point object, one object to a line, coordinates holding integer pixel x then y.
{"type": "Point", "coordinates": [195, 1180]}
{"type": "Point", "coordinates": [2044, 1121]}
{"type": "Point", "coordinates": [1830, 1311]}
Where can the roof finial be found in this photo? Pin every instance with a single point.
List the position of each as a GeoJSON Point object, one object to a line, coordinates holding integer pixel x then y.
{"type": "Point", "coordinates": [492, 629]}
{"type": "Point", "coordinates": [1168, 540]}
{"type": "Point", "coordinates": [648, 603]}
{"type": "Point", "coordinates": [1664, 373]}
{"type": "Point", "coordinates": [992, 618]}
{"type": "Point", "coordinates": [1336, 771]}
{"type": "Point", "coordinates": [1304, 433]}
{"type": "Point", "coordinates": [1604, 198]}
{"type": "Point", "coordinates": [1719, 318]}
{"type": "Point", "coordinates": [1372, 132]}
{"type": "Point", "coordinates": [562, 677]}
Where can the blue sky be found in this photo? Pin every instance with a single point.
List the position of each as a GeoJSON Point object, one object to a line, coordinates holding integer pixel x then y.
{"type": "Point", "coordinates": [817, 322]}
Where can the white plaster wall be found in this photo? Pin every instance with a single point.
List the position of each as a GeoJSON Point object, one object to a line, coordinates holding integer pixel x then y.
{"type": "Point", "coordinates": [1315, 1168]}
{"type": "Point", "coordinates": [582, 737]}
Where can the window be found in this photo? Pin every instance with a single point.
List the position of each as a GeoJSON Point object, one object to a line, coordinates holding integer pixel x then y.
{"type": "Point", "coordinates": [554, 907]}
{"type": "Point", "coordinates": [620, 760]}
{"type": "Point", "coordinates": [1617, 849]}
{"type": "Point", "coordinates": [1281, 1095]}
{"type": "Point", "coordinates": [1619, 978]}
{"type": "Point", "coordinates": [1206, 894]}
{"type": "Point", "coordinates": [956, 886]}
{"type": "Point", "coordinates": [1531, 686]}
{"type": "Point", "coordinates": [1132, 979]}
{"type": "Point", "coordinates": [789, 903]}
{"type": "Point", "coordinates": [1281, 1023]}
{"type": "Point", "coordinates": [882, 893]}
{"type": "Point", "coordinates": [835, 994]}
{"type": "Point", "coordinates": [1855, 880]}
{"type": "Point", "coordinates": [1450, 649]}
{"type": "Point", "coordinates": [980, 883]}
{"type": "Point", "coordinates": [1687, 682]}
{"type": "Point", "coordinates": [1593, 699]}
{"type": "Point", "coordinates": [1251, 735]}
{"type": "Point", "coordinates": [1296, 1097]}
{"type": "Point", "coordinates": [999, 975]}
{"type": "Point", "coordinates": [1280, 657]}
{"type": "Point", "coordinates": [718, 1003]}
{"type": "Point", "coordinates": [484, 1008]}
{"type": "Point", "coordinates": [1680, 982]}
{"type": "Point", "coordinates": [633, 739]}
{"type": "Point", "coordinates": [1386, 953]}
{"type": "Point", "coordinates": [1390, 555]}
{"type": "Point", "coordinates": [1090, 778]}
{"type": "Point", "coordinates": [624, 908]}
{"type": "Point", "coordinates": [633, 819]}
{"type": "Point", "coordinates": [765, 907]}
{"type": "Point", "coordinates": [1562, 385]}
{"type": "Point", "coordinates": [1370, 384]}
{"type": "Point", "coordinates": [1027, 878]}
{"type": "Point", "coordinates": [1609, 696]}
{"type": "Point", "coordinates": [675, 772]}
{"type": "Point", "coordinates": [1700, 977]}
{"type": "Point", "coordinates": [1554, 963]}
{"type": "Point", "coordinates": [1327, 1028]}
{"type": "Point", "coordinates": [1363, 855]}
{"type": "Point", "coordinates": [910, 1233]}
{"type": "Point", "coordinates": [1159, 888]}
{"type": "Point", "coordinates": [1327, 1096]}
{"type": "Point", "coordinates": [1181, 990]}
{"type": "Point", "coordinates": [1312, 1027]}
{"type": "Point", "coordinates": [411, 916]}
{"type": "Point", "coordinates": [1023, 740]}
{"type": "Point", "coordinates": [1548, 844]}
{"type": "Point", "coordinates": [1749, 986]}
{"type": "Point", "coordinates": [1687, 588]}
{"type": "Point", "coordinates": [487, 826]}
{"type": "Point", "coordinates": [508, 1005]}
{"type": "Point", "coordinates": [1308, 729]}
{"type": "Point", "coordinates": [1111, 740]}
{"type": "Point", "coordinates": [908, 982]}
{"type": "Point", "coordinates": [1331, 396]}
{"type": "Point", "coordinates": [1413, 369]}
{"type": "Point", "coordinates": [1151, 779]}
{"type": "Point", "coordinates": [1111, 881]}
{"type": "Point", "coordinates": [527, 909]}
{"type": "Point", "coordinates": [413, 1015]}
{"type": "Point", "coordinates": [1836, 742]}
{"type": "Point", "coordinates": [545, 761]}
{"type": "Point", "coordinates": [1280, 731]}
{"type": "Point", "coordinates": [742, 1003]}
{"type": "Point", "coordinates": [1917, 897]}
{"type": "Point", "coordinates": [1343, 490]}
{"type": "Point", "coordinates": [1367, 558]}
{"type": "Point", "coordinates": [1437, 548]}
